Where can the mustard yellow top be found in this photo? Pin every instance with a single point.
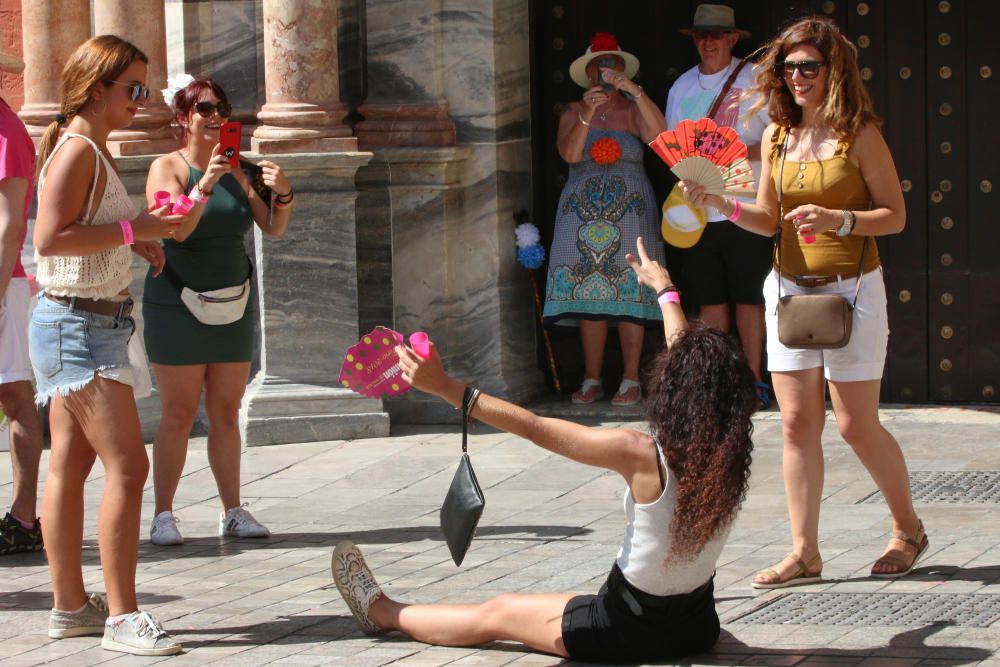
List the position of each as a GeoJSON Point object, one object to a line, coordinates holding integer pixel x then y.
{"type": "Point", "coordinates": [836, 184]}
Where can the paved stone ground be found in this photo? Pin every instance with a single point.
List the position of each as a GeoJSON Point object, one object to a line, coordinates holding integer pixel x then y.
{"type": "Point", "coordinates": [549, 525]}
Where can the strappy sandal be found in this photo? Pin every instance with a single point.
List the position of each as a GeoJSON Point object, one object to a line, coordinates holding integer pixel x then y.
{"type": "Point", "coordinates": [919, 542]}
{"type": "Point", "coordinates": [629, 393]}
{"type": "Point", "coordinates": [799, 577]}
{"type": "Point", "coordinates": [589, 392]}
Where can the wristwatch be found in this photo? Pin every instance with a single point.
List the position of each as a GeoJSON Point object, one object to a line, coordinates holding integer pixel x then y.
{"type": "Point", "coordinates": [847, 226]}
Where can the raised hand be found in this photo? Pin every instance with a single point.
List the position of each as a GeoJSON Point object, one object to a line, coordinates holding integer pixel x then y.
{"type": "Point", "coordinates": [648, 271]}
{"type": "Point", "coordinates": [274, 177]}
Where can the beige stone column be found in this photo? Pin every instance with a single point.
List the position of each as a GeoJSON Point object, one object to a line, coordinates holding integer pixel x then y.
{"type": "Point", "coordinates": [52, 30]}
{"type": "Point", "coordinates": [303, 112]}
{"type": "Point", "coordinates": [141, 22]}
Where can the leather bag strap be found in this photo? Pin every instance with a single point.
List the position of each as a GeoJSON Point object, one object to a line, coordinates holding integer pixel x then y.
{"type": "Point", "coordinates": [714, 109]}
{"type": "Point", "coordinates": [469, 399]}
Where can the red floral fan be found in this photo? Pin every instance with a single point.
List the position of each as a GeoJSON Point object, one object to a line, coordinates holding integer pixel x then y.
{"type": "Point", "coordinates": [371, 367]}
{"type": "Point", "coordinates": [707, 154]}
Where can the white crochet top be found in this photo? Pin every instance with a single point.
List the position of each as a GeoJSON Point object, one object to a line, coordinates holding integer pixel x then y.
{"type": "Point", "coordinates": [104, 274]}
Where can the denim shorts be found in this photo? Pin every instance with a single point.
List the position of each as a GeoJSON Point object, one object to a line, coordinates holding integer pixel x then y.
{"type": "Point", "coordinates": [69, 346]}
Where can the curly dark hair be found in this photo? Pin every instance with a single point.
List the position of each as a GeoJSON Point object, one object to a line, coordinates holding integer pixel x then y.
{"type": "Point", "coordinates": [847, 105]}
{"type": "Point", "coordinates": [701, 400]}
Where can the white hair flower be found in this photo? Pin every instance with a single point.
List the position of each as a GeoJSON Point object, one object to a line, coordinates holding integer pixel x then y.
{"type": "Point", "coordinates": [527, 235]}
{"type": "Point", "coordinates": [174, 84]}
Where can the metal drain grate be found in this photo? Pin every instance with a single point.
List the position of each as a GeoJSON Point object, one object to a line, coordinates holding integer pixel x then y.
{"type": "Point", "coordinates": [954, 487]}
{"type": "Point", "coordinates": [876, 609]}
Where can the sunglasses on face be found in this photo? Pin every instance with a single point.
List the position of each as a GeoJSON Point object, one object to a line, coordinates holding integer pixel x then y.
{"type": "Point", "coordinates": [206, 109]}
{"type": "Point", "coordinates": [702, 35]}
{"type": "Point", "coordinates": [136, 90]}
{"type": "Point", "coordinates": [808, 68]}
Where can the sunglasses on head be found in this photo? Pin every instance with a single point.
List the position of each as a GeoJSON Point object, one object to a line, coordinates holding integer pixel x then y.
{"type": "Point", "coordinates": [136, 89]}
{"type": "Point", "coordinates": [206, 109]}
{"type": "Point", "coordinates": [702, 35]}
{"type": "Point", "coordinates": [808, 68]}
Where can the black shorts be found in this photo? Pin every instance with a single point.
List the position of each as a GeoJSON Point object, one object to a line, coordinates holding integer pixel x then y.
{"type": "Point", "coordinates": [728, 265]}
{"type": "Point", "coordinates": [622, 624]}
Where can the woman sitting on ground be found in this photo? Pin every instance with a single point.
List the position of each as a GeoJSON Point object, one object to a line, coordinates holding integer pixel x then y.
{"type": "Point", "coordinates": [686, 481]}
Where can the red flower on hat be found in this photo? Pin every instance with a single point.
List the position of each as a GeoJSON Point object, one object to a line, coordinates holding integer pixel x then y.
{"type": "Point", "coordinates": [603, 41]}
{"type": "Point", "coordinates": [605, 151]}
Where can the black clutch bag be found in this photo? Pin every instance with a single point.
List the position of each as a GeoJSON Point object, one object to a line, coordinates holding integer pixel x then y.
{"type": "Point", "coordinates": [256, 176]}
{"type": "Point", "coordinates": [463, 505]}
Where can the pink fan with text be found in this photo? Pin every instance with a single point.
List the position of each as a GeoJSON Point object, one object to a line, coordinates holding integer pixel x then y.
{"type": "Point", "coordinates": [371, 367]}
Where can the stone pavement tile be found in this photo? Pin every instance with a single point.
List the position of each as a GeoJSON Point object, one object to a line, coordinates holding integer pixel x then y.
{"type": "Point", "coordinates": [888, 662]}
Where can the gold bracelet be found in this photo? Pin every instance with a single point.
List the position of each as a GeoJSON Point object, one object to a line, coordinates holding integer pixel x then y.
{"type": "Point", "coordinates": [579, 115]}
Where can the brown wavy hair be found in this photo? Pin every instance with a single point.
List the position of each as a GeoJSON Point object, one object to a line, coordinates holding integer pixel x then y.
{"type": "Point", "coordinates": [847, 105]}
{"type": "Point", "coordinates": [95, 62]}
{"type": "Point", "coordinates": [701, 401]}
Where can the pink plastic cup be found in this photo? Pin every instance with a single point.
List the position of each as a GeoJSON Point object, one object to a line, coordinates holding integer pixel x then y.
{"type": "Point", "coordinates": [182, 205]}
{"type": "Point", "coordinates": [161, 197]}
{"type": "Point", "coordinates": [808, 238]}
{"type": "Point", "coordinates": [420, 344]}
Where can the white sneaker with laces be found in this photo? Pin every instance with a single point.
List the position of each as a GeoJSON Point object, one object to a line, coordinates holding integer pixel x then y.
{"type": "Point", "coordinates": [163, 531]}
{"type": "Point", "coordinates": [139, 634]}
{"type": "Point", "coordinates": [356, 584]}
{"type": "Point", "coordinates": [237, 522]}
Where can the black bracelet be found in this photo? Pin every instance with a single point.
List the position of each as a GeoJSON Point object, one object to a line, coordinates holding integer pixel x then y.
{"type": "Point", "coordinates": [670, 288]}
{"type": "Point", "coordinates": [471, 398]}
{"type": "Point", "coordinates": [288, 194]}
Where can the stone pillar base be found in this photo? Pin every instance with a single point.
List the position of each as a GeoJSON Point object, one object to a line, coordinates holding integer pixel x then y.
{"type": "Point", "coordinates": [276, 412]}
{"type": "Point", "coordinates": [142, 146]}
{"type": "Point", "coordinates": [303, 145]}
{"type": "Point", "coordinates": [405, 125]}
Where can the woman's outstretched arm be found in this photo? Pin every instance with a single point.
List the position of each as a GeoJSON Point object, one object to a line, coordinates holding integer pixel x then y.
{"type": "Point", "coordinates": [651, 274]}
{"type": "Point", "coordinates": [619, 449]}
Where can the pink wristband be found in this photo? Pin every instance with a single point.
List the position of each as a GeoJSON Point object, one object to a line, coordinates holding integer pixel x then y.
{"type": "Point", "coordinates": [127, 234]}
{"type": "Point", "coordinates": [737, 211]}
{"type": "Point", "coordinates": [669, 297]}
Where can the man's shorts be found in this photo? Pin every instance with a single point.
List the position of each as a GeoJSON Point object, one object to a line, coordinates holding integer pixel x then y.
{"type": "Point", "coordinates": [728, 265]}
{"type": "Point", "coordinates": [15, 313]}
{"type": "Point", "coordinates": [863, 358]}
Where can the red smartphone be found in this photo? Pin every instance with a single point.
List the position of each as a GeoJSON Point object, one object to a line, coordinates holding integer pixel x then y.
{"type": "Point", "coordinates": [229, 140]}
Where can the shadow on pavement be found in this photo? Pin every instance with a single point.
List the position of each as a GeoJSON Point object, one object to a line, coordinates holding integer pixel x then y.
{"type": "Point", "coordinates": [37, 600]}
{"type": "Point", "coordinates": [214, 546]}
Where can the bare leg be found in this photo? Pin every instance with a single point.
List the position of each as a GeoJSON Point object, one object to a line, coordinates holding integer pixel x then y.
{"type": "Point", "coordinates": [70, 460]}
{"type": "Point", "coordinates": [856, 407]}
{"type": "Point", "coordinates": [180, 390]}
{"type": "Point", "coordinates": [750, 324]}
{"type": "Point", "coordinates": [715, 316]}
{"type": "Point", "coordinates": [17, 399]}
{"type": "Point", "coordinates": [630, 337]}
{"type": "Point", "coordinates": [593, 335]}
{"type": "Point", "coordinates": [532, 619]}
{"type": "Point", "coordinates": [803, 412]}
{"type": "Point", "coordinates": [224, 387]}
{"type": "Point", "coordinates": [105, 411]}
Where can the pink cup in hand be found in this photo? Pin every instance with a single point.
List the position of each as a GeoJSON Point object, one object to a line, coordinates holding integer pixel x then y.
{"type": "Point", "coordinates": [161, 198]}
{"type": "Point", "coordinates": [182, 205]}
{"type": "Point", "coordinates": [420, 344]}
{"type": "Point", "coordinates": [808, 238]}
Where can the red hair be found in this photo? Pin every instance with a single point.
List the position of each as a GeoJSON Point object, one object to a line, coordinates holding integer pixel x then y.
{"type": "Point", "coordinates": [185, 99]}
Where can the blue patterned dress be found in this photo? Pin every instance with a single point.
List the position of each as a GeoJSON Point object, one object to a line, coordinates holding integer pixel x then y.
{"type": "Point", "coordinates": [602, 210]}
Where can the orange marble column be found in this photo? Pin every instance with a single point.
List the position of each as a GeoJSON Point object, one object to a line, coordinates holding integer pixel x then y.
{"type": "Point", "coordinates": [52, 29]}
{"type": "Point", "coordinates": [303, 112]}
{"type": "Point", "coordinates": [143, 23]}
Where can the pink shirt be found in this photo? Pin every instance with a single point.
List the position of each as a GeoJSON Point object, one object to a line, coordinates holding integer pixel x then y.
{"type": "Point", "coordinates": [17, 160]}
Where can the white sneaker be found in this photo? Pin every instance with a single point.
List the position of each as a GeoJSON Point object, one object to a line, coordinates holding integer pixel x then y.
{"type": "Point", "coordinates": [237, 522]}
{"type": "Point", "coordinates": [139, 634]}
{"type": "Point", "coordinates": [163, 531]}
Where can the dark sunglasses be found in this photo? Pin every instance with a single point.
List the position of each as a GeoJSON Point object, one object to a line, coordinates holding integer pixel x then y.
{"type": "Point", "coordinates": [206, 109]}
{"type": "Point", "coordinates": [808, 68]}
{"type": "Point", "coordinates": [136, 90]}
{"type": "Point", "coordinates": [702, 35]}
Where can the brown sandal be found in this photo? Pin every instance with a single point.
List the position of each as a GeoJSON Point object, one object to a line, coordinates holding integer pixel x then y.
{"type": "Point", "coordinates": [919, 542]}
{"type": "Point", "coordinates": [799, 577]}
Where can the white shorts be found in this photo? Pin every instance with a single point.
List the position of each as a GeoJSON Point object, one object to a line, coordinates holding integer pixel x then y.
{"type": "Point", "coordinates": [861, 359]}
{"type": "Point", "coordinates": [15, 313]}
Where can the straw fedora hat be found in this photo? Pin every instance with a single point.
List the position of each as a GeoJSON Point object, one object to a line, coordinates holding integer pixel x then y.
{"type": "Point", "coordinates": [602, 43]}
{"type": "Point", "coordinates": [715, 17]}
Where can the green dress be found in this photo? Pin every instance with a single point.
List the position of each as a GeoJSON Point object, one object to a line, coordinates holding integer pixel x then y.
{"type": "Point", "coordinates": [211, 258]}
